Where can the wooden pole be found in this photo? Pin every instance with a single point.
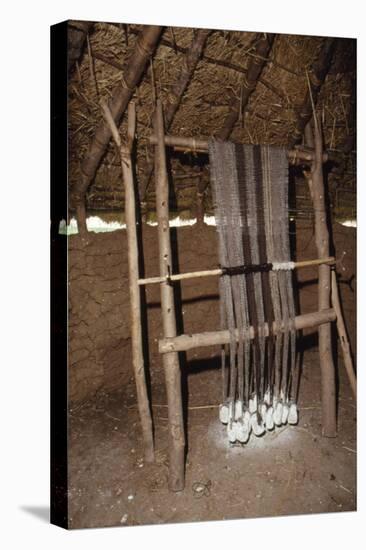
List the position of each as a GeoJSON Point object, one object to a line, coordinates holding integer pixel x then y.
{"type": "Point", "coordinates": [262, 45]}
{"type": "Point", "coordinates": [133, 273]}
{"type": "Point", "coordinates": [171, 360]}
{"type": "Point", "coordinates": [200, 145]}
{"type": "Point", "coordinates": [342, 333]}
{"type": "Point", "coordinates": [176, 93]}
{"type": "Point", "coordinates": [220, 337]}
{"type": "Point", "coordinates": [120, 97]}
{"type": "Point", "coordinates": [77, 31]}
{"type": "Point", "coordinates": [255, 66]}
{"type": "Point", "coordinates": [317, 75]}
{"type": "Point", "coordinates": [216, 272]}
{"type": "Point", "coordinates": [328, 385]}
{"type": "Point", "coordinates": [181, 276]}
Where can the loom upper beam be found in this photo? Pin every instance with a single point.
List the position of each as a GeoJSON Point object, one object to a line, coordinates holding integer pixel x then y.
{"type": "Point", "coordinates": [201, 146]}
{"type": "Point", "coordinates": [204, 339]}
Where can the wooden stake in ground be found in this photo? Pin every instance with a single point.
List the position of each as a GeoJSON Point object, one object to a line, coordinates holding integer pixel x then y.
{"type": "Point", "coordinates": [133, 273]}
{"type": "Point", "coordinates": [328, 386]}
{"type": "Point", "coordinates": [170, 360]}
{"type": "Point", "coordinates": [342, 333]}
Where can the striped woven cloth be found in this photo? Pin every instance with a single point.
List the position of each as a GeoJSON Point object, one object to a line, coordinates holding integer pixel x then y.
{"type": "Point", "coordinates": [250, 190]}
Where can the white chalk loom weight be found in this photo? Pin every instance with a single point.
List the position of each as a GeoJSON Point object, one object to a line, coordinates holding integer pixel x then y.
{"type": "Point", "coordinates": [269, 419]}
{"type": "Point", "coordinates": [277, 415]}
{"type": "Point", "coordinates": [293, 416]}
{"type": "Point", "coordinates": [257, 418]}
{"type": "Point", "coordinates": [257, 425]}
{"type": "Point", "coordinates": [231, 431]}
{"type": "Point", "coordinates": [224, 414]}
{"type": "Point", "coordinates": [285, 412]}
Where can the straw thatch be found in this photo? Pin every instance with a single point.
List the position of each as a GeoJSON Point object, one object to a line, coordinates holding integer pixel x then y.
{"type": "Point", "coordinates": [217, 85]}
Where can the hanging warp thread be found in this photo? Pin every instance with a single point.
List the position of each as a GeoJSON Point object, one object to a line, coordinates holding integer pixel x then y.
{"type": "Point", "coordinates": [259, 378]}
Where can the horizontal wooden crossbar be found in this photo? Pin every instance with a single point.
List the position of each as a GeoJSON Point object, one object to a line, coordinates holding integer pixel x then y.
{"type": "Point", "coordinates": [201, 146]}
{"type": "Point", "coordinates": [216, 272]}
{"type": "Point", "coordinates": [204, 339]}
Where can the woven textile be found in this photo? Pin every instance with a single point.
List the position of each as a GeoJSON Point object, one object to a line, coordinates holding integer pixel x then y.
{"type": "Point", "coordinates": [250, 189]}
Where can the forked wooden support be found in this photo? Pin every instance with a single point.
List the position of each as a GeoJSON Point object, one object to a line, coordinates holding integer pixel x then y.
{"type": "Point", "coordinates": [133, 273]}
{"type": "Point", "coordinates": [170, 360]}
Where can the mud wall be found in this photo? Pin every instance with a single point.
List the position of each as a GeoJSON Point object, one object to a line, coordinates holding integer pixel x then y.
{"type": "Point", "coordinates": [99, 332]}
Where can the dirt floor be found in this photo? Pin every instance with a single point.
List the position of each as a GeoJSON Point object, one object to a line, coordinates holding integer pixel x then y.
{"type": "Point", "coordinates": [293, 470]}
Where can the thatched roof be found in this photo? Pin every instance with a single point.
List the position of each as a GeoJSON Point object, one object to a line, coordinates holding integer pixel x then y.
{"type": "Point", "coordinates": [101, 51]}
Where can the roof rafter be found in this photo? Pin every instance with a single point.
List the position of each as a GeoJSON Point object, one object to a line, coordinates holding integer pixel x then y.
{"type": "Point", "coordinates": [226, 64]}
{"type": "Point", "coordinates": [255, 67]}
{"type": "Point", "coordinates": [176, 93]}
{"type": "Point", "coordinates": [76, 36]}
{"type": "Point", "coordinates": [121, 95]}
{"type": "Point", "coordinates": [317, 75]}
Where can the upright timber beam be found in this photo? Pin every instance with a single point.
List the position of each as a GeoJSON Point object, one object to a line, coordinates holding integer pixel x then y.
{"type": "Point", "coordinates": [170, 360]}
{"type": "Point", "coordinates": [328, 385]}
{"type": "Point", "coordinates": [133, 275]}
{"type": "Point", "coordinates": [121, 95]}
{"type": "Point", "coordinates": [177, 91]}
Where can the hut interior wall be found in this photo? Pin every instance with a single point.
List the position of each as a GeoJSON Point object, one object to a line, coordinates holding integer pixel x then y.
{"type": "Point", "coordinates": [99, 338]}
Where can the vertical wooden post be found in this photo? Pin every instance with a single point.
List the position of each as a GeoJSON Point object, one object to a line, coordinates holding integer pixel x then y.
{"type": "Point", "coordinates": [81, 219]}
{"type": "Point", "coordinates": [200, 212]}
{"type": "Point", "coordinates": [328, 386]}
{"type": "Point", "coordinates": [133, 274]}
{"type": "Point", "coordinates": [170, 360]}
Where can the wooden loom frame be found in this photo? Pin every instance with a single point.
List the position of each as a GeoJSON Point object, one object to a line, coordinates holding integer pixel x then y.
{"type": "Point", "coordinates": [171, 344]}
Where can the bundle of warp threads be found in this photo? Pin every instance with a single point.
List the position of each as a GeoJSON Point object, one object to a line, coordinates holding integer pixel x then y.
{"type": "Point", "coordinates": [259, 376]}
